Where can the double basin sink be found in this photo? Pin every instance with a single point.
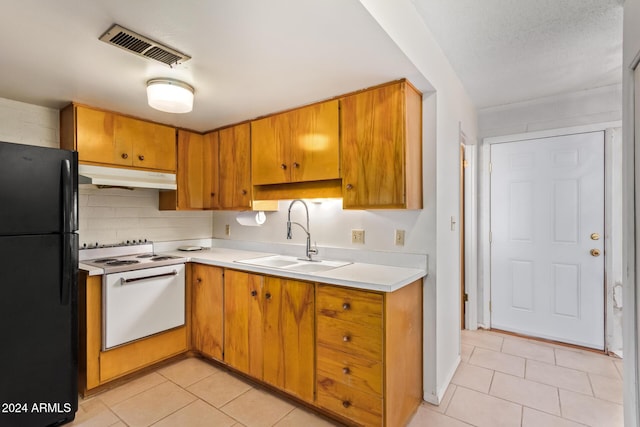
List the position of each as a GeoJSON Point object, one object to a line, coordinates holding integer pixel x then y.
{"type": "Point", "coordinates": [291, 263]}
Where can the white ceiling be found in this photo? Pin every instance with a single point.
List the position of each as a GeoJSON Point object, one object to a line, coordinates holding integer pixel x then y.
{"type": "Point", "coordinates": [254, 57]}
{"type": "Point", "coordinates": [507, 51]}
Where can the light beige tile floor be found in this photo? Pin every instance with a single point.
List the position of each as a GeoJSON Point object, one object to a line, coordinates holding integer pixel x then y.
{"type": "Point", "coordinates": [501, 381]}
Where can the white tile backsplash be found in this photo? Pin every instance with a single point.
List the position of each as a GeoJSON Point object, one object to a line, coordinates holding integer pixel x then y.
{"type": "Point", "coordinates": [116, 215]}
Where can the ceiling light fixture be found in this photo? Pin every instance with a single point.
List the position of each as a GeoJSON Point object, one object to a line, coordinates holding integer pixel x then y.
{"type": "Point", "coordinates": [169, 95]}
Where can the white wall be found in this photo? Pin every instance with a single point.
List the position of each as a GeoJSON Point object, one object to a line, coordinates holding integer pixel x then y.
{"type": "Point", "coordinates": [29, 124]}
{"type": "Point", "coordinates": [106, 216]}
{"type": "Point", "coordinates": [446, 110]}
{"type": "Point", "coordinates": [583, 107]}
{"type": "Point", "coordinates": [631, 176]}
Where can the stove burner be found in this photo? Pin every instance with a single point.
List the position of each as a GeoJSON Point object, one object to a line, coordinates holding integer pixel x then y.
{"type": "Point", "coordinates": [161, 258]}
{"type": "Point", "coordinates": [146, 256]}
{"type": "Point", "coordinates": [103, 260]}
{"type": "Point", "coordinates": [123, 262]}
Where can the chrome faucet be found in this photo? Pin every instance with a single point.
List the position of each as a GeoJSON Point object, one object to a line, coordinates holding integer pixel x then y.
{"type": "Point", "coordinates": [310, 251]}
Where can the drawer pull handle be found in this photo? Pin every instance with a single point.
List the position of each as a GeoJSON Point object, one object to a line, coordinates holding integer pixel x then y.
{"type": "Point", "coordinates": [346, 370]}
{"type": "Point", "coordinates": [283, 166]}
{"type": "Point", "coordinates": [125, 156]}
{"type": "Point", "coordinates": [141, 157]}
{"type": "Point", "coordinates": [346, 403]}
{"type": "Point", "coordinates": [349, 187]}
{"type": "Point", "coordinates": [346, 338]}
{"type": "Point", "coordinates": [268, 295]}
{"type": "Point", "coordinates": [254, 293]}
{"type": "Point", "coordinates": [296, 165]}
{"type": "Point", "coordinates": [346, 306]}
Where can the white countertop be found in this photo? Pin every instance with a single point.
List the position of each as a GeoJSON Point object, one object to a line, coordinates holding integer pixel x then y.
{"type": "Point", "coordinates": [359, 275]}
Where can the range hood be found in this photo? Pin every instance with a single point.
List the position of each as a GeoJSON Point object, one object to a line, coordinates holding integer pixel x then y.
{"type": "Point", "coordinates": [119, 177]}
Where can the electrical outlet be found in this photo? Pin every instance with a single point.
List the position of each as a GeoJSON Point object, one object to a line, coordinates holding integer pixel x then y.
{"type": "Point", "coordinates": [399, 238]}
{"type": "Point", "coordinates": [357, 236]}
{"type": "Point", "coordinates": [227, 230]}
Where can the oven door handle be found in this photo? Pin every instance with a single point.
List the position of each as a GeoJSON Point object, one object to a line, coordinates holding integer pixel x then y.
{"type": "Point", "coordinates": [124, 281]}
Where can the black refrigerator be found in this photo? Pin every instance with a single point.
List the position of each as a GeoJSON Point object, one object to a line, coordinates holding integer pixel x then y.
{"type": "Point", "coordinates": [38, 285]}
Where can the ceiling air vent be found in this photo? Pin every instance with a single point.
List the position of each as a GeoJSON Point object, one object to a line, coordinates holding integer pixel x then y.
{"type": "Point", "coordinates": [143, 46]}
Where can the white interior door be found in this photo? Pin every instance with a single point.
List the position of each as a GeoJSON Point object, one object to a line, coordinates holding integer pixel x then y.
{"type": "Point", "coordinates": [547, 228]}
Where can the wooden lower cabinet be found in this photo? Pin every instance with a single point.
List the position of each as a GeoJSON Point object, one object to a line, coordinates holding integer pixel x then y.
{"type": "Point", "coordinates": [369, 353]}
{"type": "Point", "coordinates": [207, 290]}
{"type": "Point", "coordinates": [269, 330]}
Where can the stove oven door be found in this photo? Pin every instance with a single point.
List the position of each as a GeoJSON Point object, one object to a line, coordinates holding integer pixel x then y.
{"type": "Point", "coordinates": [140, 303]}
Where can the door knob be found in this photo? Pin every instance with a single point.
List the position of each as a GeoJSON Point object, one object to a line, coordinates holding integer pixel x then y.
{"type": "Point", "coordinates": [595, 252]}
{"type": "Point", "coordinates": [595, 236]}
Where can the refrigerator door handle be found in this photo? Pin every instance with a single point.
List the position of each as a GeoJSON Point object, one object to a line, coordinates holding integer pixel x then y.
{"type": "Point", "coordinates": [68, 281]}
{"type": "Point", "coordinates": [67, 197]}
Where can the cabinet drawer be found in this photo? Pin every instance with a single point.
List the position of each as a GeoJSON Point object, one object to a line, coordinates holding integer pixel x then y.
{"type": "Point", "coordinates": [362, 408]}
{"type": "Point", "coordinates": [351, 338]}
{"type": "Point", "coordinates": [357, 372]}
{"type": "Point", "coordinates": [351, 305]}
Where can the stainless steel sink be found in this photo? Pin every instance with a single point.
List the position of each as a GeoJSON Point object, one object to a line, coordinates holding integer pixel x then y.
{"type": "Point", "coordinates": [285, 262]}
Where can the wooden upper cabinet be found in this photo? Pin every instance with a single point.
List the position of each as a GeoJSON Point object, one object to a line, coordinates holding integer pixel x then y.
{"type": "Point", "coordinates": [106, 138]}
{"type": "Point", "coordinates": [296, 146]}
{"type": "Point", "coordinates": [381, 132]}
{"type": "Point", "coordinates": [190, 177]}
{"type": "Point", "coordinates": [234, 163]}
{"type": "Point", "coordinates": [150, 145]}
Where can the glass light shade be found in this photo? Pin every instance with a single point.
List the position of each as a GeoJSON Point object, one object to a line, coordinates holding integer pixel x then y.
{"type": "Point", "coordinates": [170, 96]}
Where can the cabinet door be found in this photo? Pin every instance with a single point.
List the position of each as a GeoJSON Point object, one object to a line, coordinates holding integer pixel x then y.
{"type": "Point", "coordinates": [207, 309]}
{"type": "Point", "coordinates": [373, 158]}
{"type": "Point", "coordinates": [289, 336]}
{"type": "Point", "coordinates": [270, 150]}
{"type": "Point", "coordinates": [211, 184]}
{"type": "Point", "coordinates": [191, 173]}
{"type": "Point", "coordinates": [243, 322]}
{"type": "Point", "coordinates": [153, 146]}
{"type": "Point", "coordinates": [95, 141]}
{"type": "Point", "coordinates": [314, 153]}
{"type": "Point", "coordinates": [234, 163]}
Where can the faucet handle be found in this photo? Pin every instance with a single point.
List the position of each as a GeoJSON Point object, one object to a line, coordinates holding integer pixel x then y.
{"type": "Point", "coordinates": [314, 250]}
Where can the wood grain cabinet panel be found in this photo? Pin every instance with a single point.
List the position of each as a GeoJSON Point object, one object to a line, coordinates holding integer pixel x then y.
{"type": "Point", "coordinates": [106, 138]}
{"type": "Point", "coordinates": [381, 132]}
{"type": "Point", "coordinates": [152, 146]}
{"type": "Point", "coordinates": [197, 174]}
{"type": "Point", "coordinates": [269, 330]}
{"type": "Point", "coordinates": [207, 310]}
{"type": "Point", "coordinates": [369, 355]}
{"type": "Point", "coordinates": [300, 145]}
{"type": "Point", "coordinates": [235, 167]}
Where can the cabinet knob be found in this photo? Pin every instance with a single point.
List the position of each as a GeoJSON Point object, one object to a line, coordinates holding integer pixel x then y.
{"type": "Point", "coordinates": [346, 338]}
{"type": "Point", "coordinates": [346, 306]}
{"type": "Point", "coordinates": [213, 194]}
{"type": "Point", "coordinates": [199, 280]}
{"type": "Point", "coordinates": [296, 165]}
{"type": "Point", "coordinates": [141, 157]}
{"type": "Point", "coordinates": [244, 192]}
{"type": "Point", "coordinates": [254, 293]}
{"type": "Point", "coordinates": [349, 187]}
{"type": "Point", "coordinates": [268, 295]}
{"type": "Point", "coordinates": [125, 156]}
{"type": "Point", "coordinates": [283, 166]}
{"type": "Point", "coordinates": [346, 370]}
{"type": "Point", "coordinates": [346, 403]}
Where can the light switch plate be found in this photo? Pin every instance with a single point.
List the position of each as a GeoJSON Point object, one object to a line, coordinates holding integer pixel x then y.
{"type": "Point", "coordinates": [227, 230]}
{"type": "Point", "coordinates": [399, 238]}
{"type": "Point", "coordinates": [357, 236]}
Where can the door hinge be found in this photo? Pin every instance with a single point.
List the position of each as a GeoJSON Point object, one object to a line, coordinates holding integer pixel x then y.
{"type": "Point", "coordinates": [490, 237]}
{"type": "Point", "coordinates": [466, 297]}
{"type": "Point", "coordinates": [465, 163]}
{"type": "Point", "coordinates": [490, 167]}
{"type": "Point", "coordinates": [490, 307]}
